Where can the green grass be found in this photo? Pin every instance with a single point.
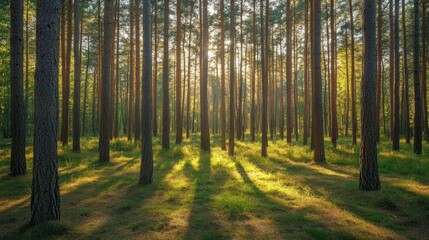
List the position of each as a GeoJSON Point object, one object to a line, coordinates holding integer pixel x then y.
{"type": "Point", "coordinates": [198, 195]}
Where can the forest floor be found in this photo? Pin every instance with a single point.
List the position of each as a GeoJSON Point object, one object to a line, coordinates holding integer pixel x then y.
{"type": "Point", "coordinates": [198, 195]}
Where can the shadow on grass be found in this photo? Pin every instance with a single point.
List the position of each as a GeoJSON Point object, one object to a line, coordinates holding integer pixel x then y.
{"type": "Point", "coordinates": [202, 221]}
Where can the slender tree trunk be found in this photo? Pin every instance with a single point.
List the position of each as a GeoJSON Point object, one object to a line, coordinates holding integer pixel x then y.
{"type": "Point", "coordinates": [333, 105]}
{"type": "Point", "coordinates": [130, 117]}
{"type": "Point", "coordinates": [347, 84]}
{"type": "Point", "coordinates": [165, 82]}
{"type": "Point", "coordinates": [264, 84]}
{"type": "Point", "coordinates": [423, 89]}
{"type": "Point", "coordinates": [232, 79]}
{"type": "Point", "coordinates": [77, 73]}
{"type": "Point", "coordinates": [353, 82]}
{"type": "Point", "coordinates": [137, 124]}
{"type": "Point", "coordinates": [395, 136]}
{"type": "Point", "coordinates": [379, 73]}
{"type": "Point", "coordinates": [118, 81]}
{"type": "Point", "coordinates": [85, 94]}
{"type": "Point", "coordinates": [369, 180]}
{"type": "Point", "coordinates": [306, 84]}
{"type": "Point", "coordinates": [288, 72]}
{"type": "Point", "coordinates": [281, 111]}
{"type": "Point", "coordinates": [155, 75]}
{"type": "Point", "coordinates": [391, 65]}
{"type": "Point", "coordinates": [179, 136]}
{"type": "Point", "coordinates": [45, 195]}
{"type": "Point", "coordinates": [205, 132]}
{"type": "Point", "coordinates": [417, 95]}
{"type": "Point", "coordinates": [104, 149]}
{"type": "Point", "coordinates": [27, 64]}
{"type": "Point", "coordinates": [405, 100]}
{"type": "Point", "coordinates": [319, 148]}
{"type": "Point", "coordinates": [146, 169]}
{"type": "Point", "coordinates": [253, 77]}
{"type": "Point", "coordinates": [18, 163]}
{"type": "Point", "coordinates": [295, 69]}
{"type": "Point", "coordinates": [188, 99]}
{"type": "Point", "coordinates": [66, 83]}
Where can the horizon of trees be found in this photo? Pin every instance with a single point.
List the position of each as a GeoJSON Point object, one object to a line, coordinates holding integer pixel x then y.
{"type": "Point", "coordinates": [294, 63]}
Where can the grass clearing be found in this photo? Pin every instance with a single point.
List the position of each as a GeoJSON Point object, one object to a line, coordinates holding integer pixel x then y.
{"type": "Point", "coordinates": [198, 195]}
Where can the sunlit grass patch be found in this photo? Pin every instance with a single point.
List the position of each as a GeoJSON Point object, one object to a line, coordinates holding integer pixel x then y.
{"type": "Point", "coordinates": [199, 195]}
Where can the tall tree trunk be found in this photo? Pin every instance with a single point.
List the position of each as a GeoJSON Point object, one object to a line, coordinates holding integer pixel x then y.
{"type": "Point", "coordinates": [379, 73]}
{"type": "Point", "coordinates": [18, 164]}
{"type": "Point", "coordinates": [405, 100]}
{"type": "Point", "coordinates": [146, 169]}
{"type": "Point", "coordinates": [45, 195]}
{"type": "Point", "coordinates": [104, 149]}
{"type": "Point", "coordinates": [117, 76]}
{"type": "Point", "coordinates": [395, 136]}
{"type": "Point", "coordinates": [347, 84]}
{"type": "Point", "coordinates": [155, 75]}
{"type": "Point", "coordinates": [369, 180]}
{"type": "Point", "coordinates": [232, 79]}
{"type": "Point", "coordinates": [417, 95]}
{"type": "Point", "coordinates": [130, 117]}
{"type": "Point", "coordinates": [137, 126]}
{"type": "Point", "coordinates": [205, 132]}
{"type": "Point", "coordinates": [85, 93]}
{"type": "Point", "coordinates": [353, 79]}
{"type": "Point", "coordinates": [319, 148]}
{"type": "Point", "coordinates": [165, 81]}
{"type": "Point", "coordinates": [240, 87]}
{"type": "Point", "coordinates": [333, 105]}
{"type": "Point", "coordinates": [179, 126]}
{"type": "Point", "coordinates": [295, 69]}
{"type": "Point", "coordinates": [288, 72]}
{"type": "Point", "coordinates": [188, 98]}
{"type": "Point", "coordinates": [66, 83]}
{"type": "Point", "coordinates": [306, 84]}
{"type": "Point", "coordinates": [391, 65]}
{"type": "Point", "coordinates": [254, 66]}
{"type": "Point", "coordinates": [27, 63]}
{"type": "Point", "coordinates": [77, 73]}
{"type": "Point", "coordinates": [423, 89]}
{"type": "Point", "coordinates": [281, 110]}
{"type": "Point", "coordinates": [223, 85]}
{"type": "Point", "coordinates": [264, 84]}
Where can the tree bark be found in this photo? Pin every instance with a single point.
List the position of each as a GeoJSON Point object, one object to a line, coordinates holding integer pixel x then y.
{"type": "Point", "coordinates": [417, 146]}
{"type": "Point", "coordinates": [137, 109]}
{"type": "Point", "coordinates": [353, 76]}
{"type": "Point", "coordinates": [369, 180]}
{"type": "Point", "coordinates": [205, 132]}
{"type": "Point", "coordinates": [45, 197]}
{"type": "Point", "coordinates": [104, 149]}
{"type": "Point", "coordinates": [395, 133]}
{"type": "Point", "coordinates": [232, 79]}
{"type": "Point", "coordinates": [77, 73]}
{"type": "Point", "coordinates": [18, 163]}
{"type": "Point", "coordinates": [178, 109]}
{"type": "Point", "coordinates": [405, 93]}
{"type": "Point", "coordinates": [66, 83]}
{"type": "Point", "coordinates": [379, 68]}
{"type": "Point", "coordinates": [306, 84]}
{"type": "Point", "coordinates": [333, 95]}
{"type": "Point", "coordinates": [146, 170]}
{"type": "Point", "coordinates": [319, 148]}
{"type": "Point", "coordinates": [288, 72]}
{"type": "Point", "coordinates": [264, 85]}
{"type": "Point", "coordinates": [130, 117]}
{"type": "Point", "coordinates": [165, 82]}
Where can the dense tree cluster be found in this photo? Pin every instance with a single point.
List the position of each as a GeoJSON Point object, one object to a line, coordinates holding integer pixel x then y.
{"type": "Point", "coordinates": [306, 68]}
